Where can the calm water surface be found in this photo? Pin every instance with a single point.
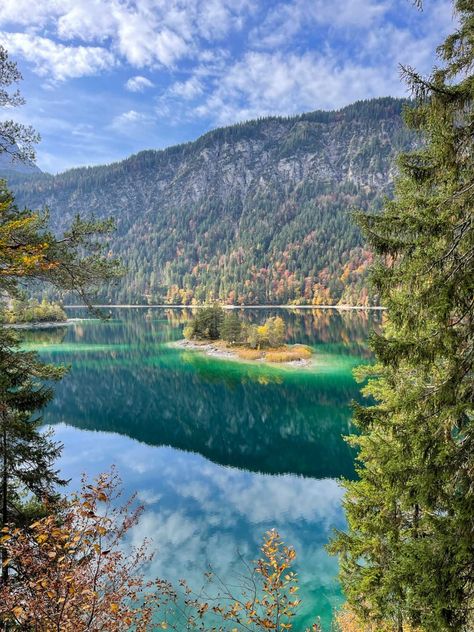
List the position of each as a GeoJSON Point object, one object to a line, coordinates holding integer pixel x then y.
{"type": "Point", "coordinates": [218, 451]}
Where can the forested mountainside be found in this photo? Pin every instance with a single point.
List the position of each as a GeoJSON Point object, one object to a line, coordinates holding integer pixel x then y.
{"type": "Point", "coordinates": [254, 213]}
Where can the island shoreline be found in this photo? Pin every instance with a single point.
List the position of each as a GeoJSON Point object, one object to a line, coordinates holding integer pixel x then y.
{"type": "Point", "coordinates": [213, 350]}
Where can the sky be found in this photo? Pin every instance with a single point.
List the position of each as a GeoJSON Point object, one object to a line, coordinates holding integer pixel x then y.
{"type": "Point", "coordinates": [105, 79]}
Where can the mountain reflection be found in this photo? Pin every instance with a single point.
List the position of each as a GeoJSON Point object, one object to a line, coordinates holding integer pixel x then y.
{"type": "Point", "coordinates": [124, 379]}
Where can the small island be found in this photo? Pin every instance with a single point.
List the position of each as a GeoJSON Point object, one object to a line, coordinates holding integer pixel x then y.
{"type": "Point", "coordinates": [224, 335]}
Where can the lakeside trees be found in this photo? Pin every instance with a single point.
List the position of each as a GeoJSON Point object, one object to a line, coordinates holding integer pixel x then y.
{"type": "Point", "coordinates": [32, 311]}
{"type": "Point", "coordinates": [408, 555]}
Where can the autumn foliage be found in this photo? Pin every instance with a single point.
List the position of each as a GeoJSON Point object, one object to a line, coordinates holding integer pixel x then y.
{"type": "Point", "coordinates": [347, 621]}
{"type": "Point", "coordinates": [69, 571]}
{"type": "Point", "coordinates": [72, 571]}
{"type": "Point", "coordinates": [265, 599]}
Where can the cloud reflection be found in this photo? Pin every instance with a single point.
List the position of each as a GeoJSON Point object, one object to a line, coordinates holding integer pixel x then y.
{"type": "Point", "coordinates": [198, 513]}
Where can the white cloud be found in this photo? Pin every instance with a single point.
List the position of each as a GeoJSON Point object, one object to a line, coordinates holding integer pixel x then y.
{"type": "Point", "coordinates": [138, 84]}
{"type": "Point", "coordinates": [144, 33]}
{"type": "Point", "coordinates": [27, 13]}
{"type": "Point", "coordinates": [276, 83]}
{"type": "Point", "coordinates": [60, 62]}
{"type": "Point", "coordinates": [284, 21]}
{"type": "Point", "coordinates": [129, 121]}
{"type": "Point", "coordinates": [188, 90]}
{"type": "Point", "coordinates": [88, 20]}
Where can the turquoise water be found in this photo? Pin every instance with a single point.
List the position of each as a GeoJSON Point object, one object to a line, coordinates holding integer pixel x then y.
{"type": "Point", "coordinates": [218, 451]}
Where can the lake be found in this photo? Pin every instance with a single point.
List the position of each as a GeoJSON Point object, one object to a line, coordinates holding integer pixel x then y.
{"type": "Point", "coordinates": [217, 451]}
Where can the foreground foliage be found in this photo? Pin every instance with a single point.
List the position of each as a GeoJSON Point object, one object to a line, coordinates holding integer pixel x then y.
{"type": "Point", "coordinates": [69, 571]}
{"type": "Point", "coordinates": [408, 555]}
{"type": "Point", "coordinates": [30, 252]}
{"type": "Point", "coordinates": [72, 572]}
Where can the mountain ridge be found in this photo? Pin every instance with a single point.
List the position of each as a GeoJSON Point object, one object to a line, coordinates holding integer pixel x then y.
{"type": "Point", "coordinates": [257, 212]}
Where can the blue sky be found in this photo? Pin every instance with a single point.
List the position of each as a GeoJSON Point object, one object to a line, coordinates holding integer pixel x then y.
{"type": "Point", "coordinates": [107, 78]}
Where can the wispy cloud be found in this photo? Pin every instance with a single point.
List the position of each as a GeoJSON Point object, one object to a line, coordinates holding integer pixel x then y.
{"type": "Point", "coordinates": [286, 20]}
{"type": "Point", "coordinates": [127, 122]}
{"type": "Point", "coordinates": [176, 68]}
{"type": "Point", "coordinates": [138, 84]}
{"type": "Point", "coordinates": [188, 89]}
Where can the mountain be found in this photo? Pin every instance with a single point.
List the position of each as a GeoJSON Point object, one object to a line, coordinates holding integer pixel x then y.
{"type": "Point", "coordinates": [259, 212]}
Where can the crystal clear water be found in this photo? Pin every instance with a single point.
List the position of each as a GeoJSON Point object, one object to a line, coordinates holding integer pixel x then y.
{"type": "Point", "coordinates": [218, 451]}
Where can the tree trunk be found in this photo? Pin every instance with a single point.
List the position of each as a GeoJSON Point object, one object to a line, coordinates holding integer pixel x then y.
{"type": "Point", "coordinates": [4, 495]}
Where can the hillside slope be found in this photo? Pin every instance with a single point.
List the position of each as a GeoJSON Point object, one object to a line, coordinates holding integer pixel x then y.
{"type": "Point", "coordinates": [254, 213]}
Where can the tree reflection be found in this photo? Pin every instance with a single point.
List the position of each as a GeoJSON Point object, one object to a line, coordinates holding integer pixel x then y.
{"type": "Point", "coordinates": [272, 420]}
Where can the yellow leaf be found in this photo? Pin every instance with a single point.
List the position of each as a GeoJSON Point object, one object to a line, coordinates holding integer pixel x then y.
{"type": "Point", "coordinates": [18, 611]}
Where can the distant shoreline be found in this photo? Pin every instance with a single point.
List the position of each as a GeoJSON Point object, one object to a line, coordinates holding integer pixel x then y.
{"type": "Point", "coordinates": [47, 324]}
{"type": "Point", "coordinates": [342, 308]}
{"type": "Point", "coordinates": [39, 325]}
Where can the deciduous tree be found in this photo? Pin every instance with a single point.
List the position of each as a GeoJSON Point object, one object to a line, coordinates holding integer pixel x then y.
{"type": "Point", "coordinates": [73, 572]}
{"type": "Point", "coordinates": [16, 139]}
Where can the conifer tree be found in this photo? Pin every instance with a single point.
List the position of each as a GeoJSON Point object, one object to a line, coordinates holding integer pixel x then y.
{"type": "Point", "coordinates": [26, 455]}
{"type": "Point", "coordinates": [231, 328]}
{"type": "Point", "coordinates": [207, 323]}
{"type": "Point", "coordinates": [29, 251]}
{"type": "Point", "coordinates": [408, 553]}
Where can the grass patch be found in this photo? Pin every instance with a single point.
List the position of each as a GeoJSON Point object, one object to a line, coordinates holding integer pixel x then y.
{"type": "Point", "coordinates": [289, 354]}
{"type": "Point", "coordinates": [248, 354]}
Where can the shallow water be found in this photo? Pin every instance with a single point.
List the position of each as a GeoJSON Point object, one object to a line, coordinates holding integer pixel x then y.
{"type": "Point", "coordinates": [218, 451]}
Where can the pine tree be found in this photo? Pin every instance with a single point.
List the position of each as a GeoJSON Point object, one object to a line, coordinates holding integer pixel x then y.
{"type": "Point", "coordinates": [29, 251]}
{"type": "Point", "coordinates": [408, 554]}
{"type": "Point", "coordinates": [207, 323]}
{"type": "Point", "coordinates": [26, 455]}
{"type": "Point", "coordinates": [231, 330]}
